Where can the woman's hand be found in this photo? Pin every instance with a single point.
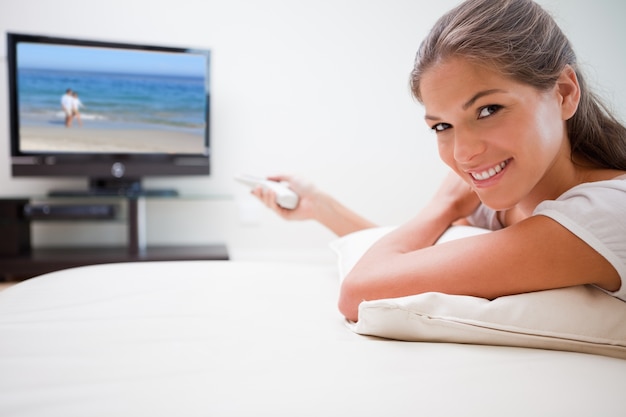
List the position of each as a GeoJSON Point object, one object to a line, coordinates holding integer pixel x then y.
{"type": "Point", "coordinates": [456, 197]}
{"type": "Point", "coordinates": [307, 193]}
{"type": "Point", "coordinates": [315, 205]}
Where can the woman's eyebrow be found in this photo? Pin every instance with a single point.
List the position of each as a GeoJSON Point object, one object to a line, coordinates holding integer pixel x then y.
{"type": "Point", "coordinates": [433, 118]}
{"type": "Point", "coordinates": [471, 101]}
{"type": "Point", "coordinates": [480, 94]}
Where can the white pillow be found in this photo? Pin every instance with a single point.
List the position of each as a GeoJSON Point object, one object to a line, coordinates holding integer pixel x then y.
{"type": "Point", "coordinates": [351, 247]}
{"type": "Point", "coordinates": [578, 319]}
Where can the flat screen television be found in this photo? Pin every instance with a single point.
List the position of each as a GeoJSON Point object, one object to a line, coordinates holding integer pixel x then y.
{"type": "Point", "coordinates": [110, 112]}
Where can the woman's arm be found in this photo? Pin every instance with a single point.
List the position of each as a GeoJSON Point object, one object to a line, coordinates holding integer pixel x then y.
{"type": "Point", "coordinates": [315, 205]}
{"type": "Point", "coordinates": [535, 254]}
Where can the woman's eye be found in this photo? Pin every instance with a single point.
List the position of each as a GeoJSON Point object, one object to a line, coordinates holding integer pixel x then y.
{"type": "Point", "coordinates": [488, 110]}
{"type": "Point", "coordinates": [440, 127]}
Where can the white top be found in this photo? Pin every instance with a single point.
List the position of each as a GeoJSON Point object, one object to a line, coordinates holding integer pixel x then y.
{"type": "Point", "coordinates": [77, 104]}
{"type": "Point", "coordinates": [594, 211]}
{"type": "Point", "coordinates": [67, 102]}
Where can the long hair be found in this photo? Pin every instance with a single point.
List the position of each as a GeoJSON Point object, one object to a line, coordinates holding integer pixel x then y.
{"type": "Point", "coordinates": [523, 42]}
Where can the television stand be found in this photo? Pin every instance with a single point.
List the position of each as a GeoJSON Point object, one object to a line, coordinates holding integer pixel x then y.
{"type": "Point", "coordinates": [97, 192]}
{"type": "Point", "coordinates": [115, 187]}
{"type": "Point", "coordinates": [18, 260]}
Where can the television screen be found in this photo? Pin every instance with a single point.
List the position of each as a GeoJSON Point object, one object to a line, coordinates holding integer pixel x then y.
{"type": "Point", "coordinates": [83, 107]}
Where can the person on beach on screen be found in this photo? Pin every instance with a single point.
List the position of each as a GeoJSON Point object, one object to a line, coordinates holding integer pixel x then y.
{"type": "Point", "coordinates": [67, 104]}
{"type": "Point", "coordinates": [76, 106]}
{"type": "Point", "coordinates": [535, 157]}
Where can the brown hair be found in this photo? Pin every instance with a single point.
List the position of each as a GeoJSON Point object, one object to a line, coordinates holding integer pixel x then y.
{"type": "Point", "coordinates": [523, 42]}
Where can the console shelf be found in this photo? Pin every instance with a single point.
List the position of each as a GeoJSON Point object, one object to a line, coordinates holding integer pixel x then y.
{"type": "Point", "coordinates": [25, 262]}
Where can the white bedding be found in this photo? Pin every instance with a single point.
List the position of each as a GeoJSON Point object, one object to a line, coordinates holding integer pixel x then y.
{"type": "Point", "coordinates": [258, 339]}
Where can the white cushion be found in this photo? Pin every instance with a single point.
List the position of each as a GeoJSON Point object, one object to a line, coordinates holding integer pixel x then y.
{"type": "Point", "coordinates": [351, 247]}
{"type": "Point", "coordinates": [579, 319]}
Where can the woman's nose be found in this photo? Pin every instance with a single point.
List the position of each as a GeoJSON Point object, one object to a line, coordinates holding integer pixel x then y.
{"type": "Point", "coordinates": [467, 145]}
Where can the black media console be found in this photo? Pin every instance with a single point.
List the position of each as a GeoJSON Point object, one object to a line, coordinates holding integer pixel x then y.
{"type": "Point", "coordinates": [20, 260]}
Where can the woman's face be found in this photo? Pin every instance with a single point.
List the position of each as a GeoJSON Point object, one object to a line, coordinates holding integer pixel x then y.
{"type": "Point", "coordinates": [506, 139]}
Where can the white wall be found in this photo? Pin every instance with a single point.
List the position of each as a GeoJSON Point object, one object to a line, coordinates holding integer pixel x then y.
{"type": "Point", "coordinates": [317, 88]}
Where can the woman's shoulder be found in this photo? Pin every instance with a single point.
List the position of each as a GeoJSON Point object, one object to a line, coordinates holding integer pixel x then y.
{"type": "Point", "coordinates": [594, 212]}
{"type": "Point", "coordinates": [620, 176]}
{"type": "Point", "coordinates": [595, 207]}
{"type": "Point", "coordinates": [613, 183]}
{"type": "Point", "coordinates": [600, 175]}
{"type": "Point", "coordinates": [590, 198]}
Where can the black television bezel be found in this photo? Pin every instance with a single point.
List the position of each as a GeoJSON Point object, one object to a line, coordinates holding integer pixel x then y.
{"type": "Point", "coordinates": [99, 168]}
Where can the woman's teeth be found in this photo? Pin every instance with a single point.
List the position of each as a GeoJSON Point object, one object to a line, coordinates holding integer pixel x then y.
{"type": "Point", "coordinates": [485, 175]}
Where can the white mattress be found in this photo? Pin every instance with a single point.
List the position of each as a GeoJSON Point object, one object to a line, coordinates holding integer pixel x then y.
{"type": "Point", "coordinates": [258, 339]}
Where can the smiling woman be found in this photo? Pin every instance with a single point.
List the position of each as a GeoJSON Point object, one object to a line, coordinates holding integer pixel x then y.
{"type": "Point", "coordinates": [535, 158]}
{"type": "Point", "coordinates": [516, 123]}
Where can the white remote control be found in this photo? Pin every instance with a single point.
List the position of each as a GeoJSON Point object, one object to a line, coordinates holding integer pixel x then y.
{"type": "Point", "coordinates": [285, 197]}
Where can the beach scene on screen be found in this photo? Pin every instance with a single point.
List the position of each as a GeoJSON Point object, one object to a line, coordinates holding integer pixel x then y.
{"type": "Point", "coordinates": [131, 101]}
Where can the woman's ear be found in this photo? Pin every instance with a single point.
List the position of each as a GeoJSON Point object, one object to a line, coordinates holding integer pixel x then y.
{"type": "Point", "coordinates": [568, 89]}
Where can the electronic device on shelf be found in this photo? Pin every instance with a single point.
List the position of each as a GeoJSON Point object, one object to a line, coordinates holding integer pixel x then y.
{"type": "Point", "coordinates": [43, 211]}
{"type": "Point", "coordinates": [145, 112]}
{"type": "Point", "coordinates": [285, 197]}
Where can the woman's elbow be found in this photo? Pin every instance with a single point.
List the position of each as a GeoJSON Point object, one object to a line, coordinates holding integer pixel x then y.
{"type": "Point", "coordinates": [362, 283]}
{"type": "Point", "coordinates": [349, 301]}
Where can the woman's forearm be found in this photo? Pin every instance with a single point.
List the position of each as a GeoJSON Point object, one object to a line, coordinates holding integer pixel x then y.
{"type": "Point", "coordinates": [373, 276]}
{"type": "Point", "coordinates": [337, 217]}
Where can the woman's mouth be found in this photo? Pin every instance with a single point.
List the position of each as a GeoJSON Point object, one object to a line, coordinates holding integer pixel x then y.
{"type": "Point", "coordinates": [489, 173]}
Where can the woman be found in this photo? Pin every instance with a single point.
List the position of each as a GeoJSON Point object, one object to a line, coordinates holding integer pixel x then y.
{"type": "Point", "coordinates": [536, 158]}
{"type": "Point", "coordinates": [76, 106]}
